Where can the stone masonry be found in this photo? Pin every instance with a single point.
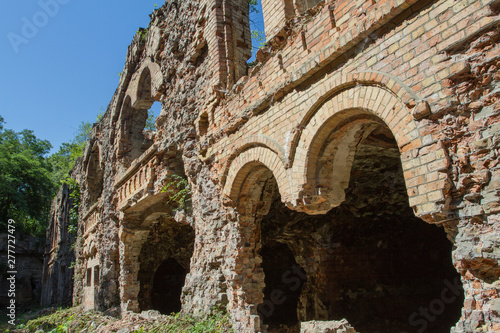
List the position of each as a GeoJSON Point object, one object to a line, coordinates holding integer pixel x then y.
{"type": "Point", "coordinates": [352, 172]}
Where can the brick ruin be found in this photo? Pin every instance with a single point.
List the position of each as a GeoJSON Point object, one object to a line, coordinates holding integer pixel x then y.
{"type": "Point", "coordinates": [351, 172]}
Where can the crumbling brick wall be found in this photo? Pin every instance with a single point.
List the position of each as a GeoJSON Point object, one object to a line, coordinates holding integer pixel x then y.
{"type": "Point", "coordinates": [333, 76]}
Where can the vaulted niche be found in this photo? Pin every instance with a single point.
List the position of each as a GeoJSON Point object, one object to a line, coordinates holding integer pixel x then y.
{"type": "Point", "coordinates": [164, 263]}
{"type": "Point", "coordinates": [370, 260]}
{"type": "Point", "coordinates": [95, 176]}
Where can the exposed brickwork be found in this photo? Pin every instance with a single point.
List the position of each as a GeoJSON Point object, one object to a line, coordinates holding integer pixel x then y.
{"type": "Point", "coordinates": [333, 76]}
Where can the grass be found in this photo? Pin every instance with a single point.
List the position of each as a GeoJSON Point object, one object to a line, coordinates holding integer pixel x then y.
{"type": "Point", "coordinates": [215, 323]}
{"type": "Point", "coordinates": [76, 320]}
{"type": "Point", "coordinates": [66, 320]}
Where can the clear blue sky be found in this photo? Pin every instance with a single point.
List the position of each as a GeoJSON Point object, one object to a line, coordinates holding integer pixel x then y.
{"type": "Point", "coordinates": [66, 69]}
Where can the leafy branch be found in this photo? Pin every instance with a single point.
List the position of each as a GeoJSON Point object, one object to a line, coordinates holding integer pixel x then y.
{"type": "Point", "coordinates": [179, 191]}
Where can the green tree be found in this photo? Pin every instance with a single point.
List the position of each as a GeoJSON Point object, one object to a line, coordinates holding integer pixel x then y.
{"type": "Point", "coordinates": [65, 158]}
{"type": "Point", "coordinates": [26, 189]}
{"type": "Point", "coordinates": [150, 122]}
{"type": "Point", "coordinates": [253, 6]}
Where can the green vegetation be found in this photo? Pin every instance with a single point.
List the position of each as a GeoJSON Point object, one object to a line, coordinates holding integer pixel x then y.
{"type": "Point", "coordinates": [179, 191]}
{"type": "Point", "coordinates": [26, 186]}
{"type": "Point", "coordinates": [258, 36]}
{"type": "Point", "coordinates": [74, 194]}
{"type": "Point", "coordinates": [253, 6]}
{"type": "Point", "coordinates": [150, 122]}
{"type": "Point", "coordinates": [66, 320]}
{"type": "Point", "coordinates": [216, 322]}
{"type": "Point", "coordinates": [77, 320]}
{"type": "Point", "coordinates": [29, 177]}
{"type": "Point", "coordinates": [143, 34]}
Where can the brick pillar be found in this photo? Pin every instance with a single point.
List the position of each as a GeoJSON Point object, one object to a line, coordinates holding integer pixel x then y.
{"type": "Point", "coordinates": [275, 14]}
{"type": "Point", "coordinates": [130, 249]}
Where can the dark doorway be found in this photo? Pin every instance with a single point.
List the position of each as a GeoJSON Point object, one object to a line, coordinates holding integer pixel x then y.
{"type": "Point", "coordinates": [167, 287]}
{"type": "Point", "coordinates": [284, 279]}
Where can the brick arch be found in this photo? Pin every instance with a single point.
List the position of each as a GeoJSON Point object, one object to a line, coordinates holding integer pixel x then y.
{"type": "Point", "coordinates": [337, 85]}
{"type": "Point", "coordinates": [344, 115]}
{"type": "Point", "coordinates": [145, 85]}
{"type": "Point", "coordinates": [249, 161]}
{"type": "Point", "coordinates": [251, 142]}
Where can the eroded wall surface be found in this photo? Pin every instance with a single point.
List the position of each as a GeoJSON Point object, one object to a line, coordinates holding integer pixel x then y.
{"type": "Point", "coordinates": [29, 264]}
{"type": "Point", "coordinates": [59, 257]}
{"type": "Point", "coordinates": [361, 150]}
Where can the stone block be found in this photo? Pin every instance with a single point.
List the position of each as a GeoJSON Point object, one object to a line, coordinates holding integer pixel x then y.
{"type": "Point", "coordinates": [341, 326]}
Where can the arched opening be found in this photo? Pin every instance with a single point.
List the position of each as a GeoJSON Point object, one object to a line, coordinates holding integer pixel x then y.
{"type": "Point", "coordinates": [385, 269]}
{"type": "Point", "coordinates": [167, 287]}
{"type": "Point", "coordinates": [137, 125]}
{"type": "Point", "coordinates": [132, 142]}
{"type": "Point", "coordinates": [369, 260]}
{"type": "Point", "coordinates": [164, 263]}
{"type": "Point", "coordinates": [144, 98]}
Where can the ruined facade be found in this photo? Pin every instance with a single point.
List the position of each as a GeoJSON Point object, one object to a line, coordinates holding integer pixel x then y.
{"type": "Point", "coordinates": [59, 257]}
{"type": "Point", "coordinates": [351, 173]}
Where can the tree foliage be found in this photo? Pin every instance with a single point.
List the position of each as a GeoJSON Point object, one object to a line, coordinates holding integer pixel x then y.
{"type": "Point", "coordinates": [26, 187]}
{"type": "Point", "coordinates": [65, 158]}
{"type": "Point", "coordinates": [257, 34]}
{"type": "Point", "coordinates": [150, 122]}
{"type": "Point", "coordinates": [253, 6]}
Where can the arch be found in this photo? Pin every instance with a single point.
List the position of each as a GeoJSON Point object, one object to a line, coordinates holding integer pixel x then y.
{"type": "Point", "coordinates": [253, 185]}
{"type": "Point", "coordinates": [250, 161]}
{"type": "Point", "coordinates": [142, 91]}
{"type": "Point", "coordinates": [145, 85]}
{"type": "Point", "coordinates": [252, 142]}
{"type": "Point", "coordinates": [335, 123]}
{"type": "Point", "coordinates": [131, 140]}
{"type": "Point", "coordinates": [335, 86]}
